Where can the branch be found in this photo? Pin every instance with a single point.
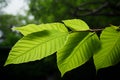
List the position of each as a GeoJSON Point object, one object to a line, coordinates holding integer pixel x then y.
{"type": "Point", "coordinates": [93, 2]}
{"type": "Point", "coordinates": [96, 10]}
{"type": "Point", "coordinates": [82, 11]}
{"type": "Point", "coordinates": [106, 14]}
{"type": "Point", "coordinates": [89, 30]}
{"type": "Point", "coordinates": [2, 37]}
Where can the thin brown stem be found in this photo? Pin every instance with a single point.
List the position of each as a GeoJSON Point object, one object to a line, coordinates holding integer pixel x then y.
{"type": "Point", "coordinates": [89, 30]}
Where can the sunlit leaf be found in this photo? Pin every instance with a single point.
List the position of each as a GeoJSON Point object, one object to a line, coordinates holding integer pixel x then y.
{"type": "Point", "coordinates": [76, 24]}
{"type": "Point", "coordinates": [36, 46]}
{"type": "Point", "coordinates": [109, 53]}
{"type": "Point", "coordinates": [79, 47]}
{"type": "Point", "coordinates": [31, 28]}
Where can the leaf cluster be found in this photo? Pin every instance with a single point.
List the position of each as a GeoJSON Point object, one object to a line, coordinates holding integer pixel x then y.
{"type": "Point", "coordinates": [73, 47]}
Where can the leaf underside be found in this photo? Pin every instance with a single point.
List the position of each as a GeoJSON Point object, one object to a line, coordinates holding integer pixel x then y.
{"type": "Point", "coordinates": [31, 28]}
{"type": "Point", "coordinates": [109, 53]}
{"type": "Point", "coordinates": [36, 46]}
{"type": "Point", "coordinates": [79, 47]}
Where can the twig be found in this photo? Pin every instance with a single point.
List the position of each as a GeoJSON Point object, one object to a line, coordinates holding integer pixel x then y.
{"type": "Point", "coordinates": [89, 30]}
{"type": "Point", "coordinates": [96, 10]}
{"type": "Point", "coordinates": [93, 2]}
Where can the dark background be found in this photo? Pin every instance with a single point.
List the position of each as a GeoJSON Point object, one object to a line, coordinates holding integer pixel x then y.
{"type": "Point", "coordinates": [46, 69]}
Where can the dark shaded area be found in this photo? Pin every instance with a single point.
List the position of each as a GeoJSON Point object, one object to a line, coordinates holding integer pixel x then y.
{"type": "Point", "coordinates": [46, 69]}
{"type": "Point", "coordinates": [110, 73]}
{"type": "Point", "coordinates": [36, 70]}
{"type": "Point", "coordinates": [3, 55]}
{"type": "Point", "coordinates": [84, 72]}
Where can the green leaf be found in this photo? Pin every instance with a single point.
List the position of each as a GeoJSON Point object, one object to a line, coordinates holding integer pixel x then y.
{"type": "Point", "coordinates": [76, 24]}
{"type": "Point", "coordinates": [79, 47]}
{"type": "Point", "coordinates": [36, 46]}
{"type": "Point", "coordinates": [109, 53]}
{"type": "Point", "coordinates": [31, 28]}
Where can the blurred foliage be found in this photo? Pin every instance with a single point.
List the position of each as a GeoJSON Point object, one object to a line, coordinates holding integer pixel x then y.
{"type": "Point", "coordinates": [3, 3]}
{"type": "Point", "coordinates": [6, 23]}
{"type": "Point", "coordinates": [96, 14]}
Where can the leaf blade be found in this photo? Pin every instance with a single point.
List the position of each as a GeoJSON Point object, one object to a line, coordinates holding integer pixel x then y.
{"type": "Point", "coordinates": [78, 49]}
{"type": "Point", "coordinates": [36, 46]}
{"type": "Point", "coordinates": [31, 28]}
{"type": "Point", "coordinates": [109, 52]}
{"type": "Point", "coordinates": [76, 24]}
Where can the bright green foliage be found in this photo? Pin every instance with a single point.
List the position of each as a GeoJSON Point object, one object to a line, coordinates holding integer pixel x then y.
{"type": "Point", "coordinates": [36, 46]}
{"type": "Point", "coordinates": [73, 48]}
{"type": "Point", "coordinates": [76, 24]}
{"type": "Point", "coordinates": [109, 54]}
{"type": "Point", "coordinates": [79, 48]}
{"type": "Point", "coordinates": [31, 28]}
